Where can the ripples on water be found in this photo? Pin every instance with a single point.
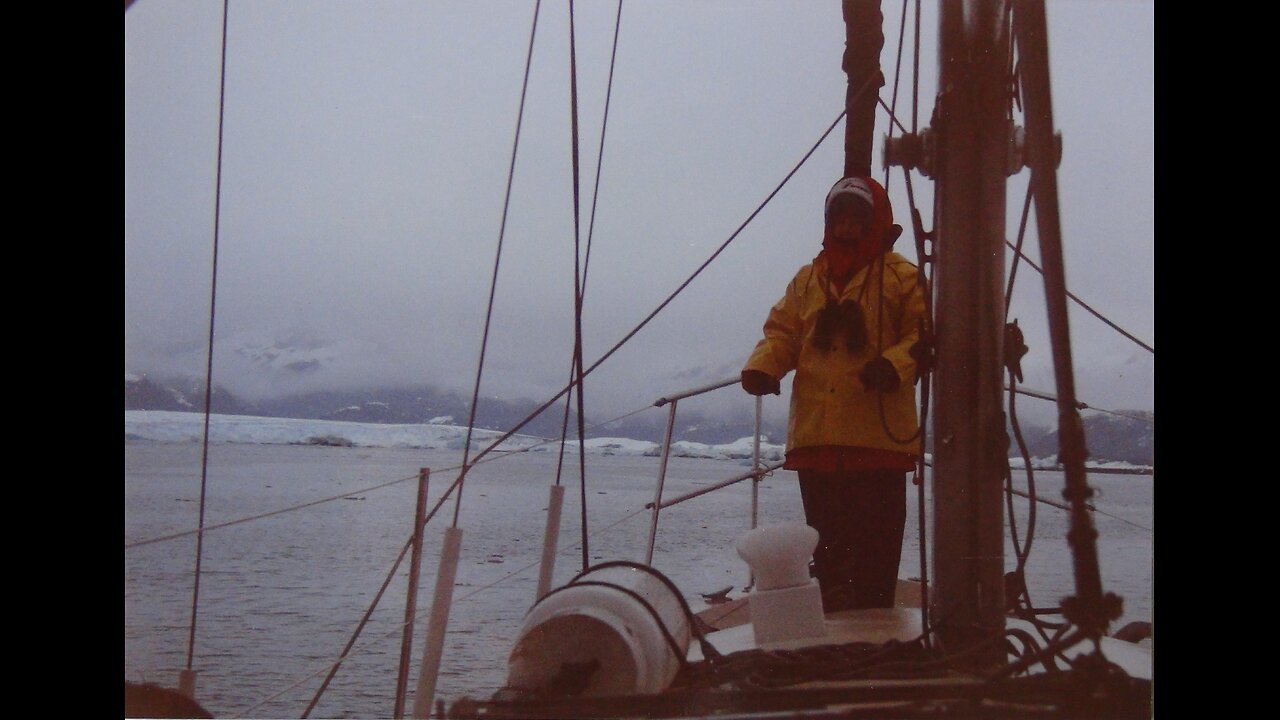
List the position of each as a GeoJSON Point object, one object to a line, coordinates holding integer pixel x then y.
{"type": "Point", "coordinates": [280, 597]}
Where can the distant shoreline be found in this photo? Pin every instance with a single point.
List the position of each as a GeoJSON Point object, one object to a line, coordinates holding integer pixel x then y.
{"type": "Point", "coordinates": [1111, 471]}
{"type": "Point", "coordinates": [172, 426]}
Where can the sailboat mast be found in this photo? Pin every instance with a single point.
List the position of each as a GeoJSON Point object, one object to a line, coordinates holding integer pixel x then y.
{"type": "Point", "coordinates": [864, 38]}
{"type": "Point", "coordinates": [971, 122]}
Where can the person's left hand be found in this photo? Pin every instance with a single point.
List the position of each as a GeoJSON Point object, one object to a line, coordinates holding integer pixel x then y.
{"type": "Point", "coordinates": [879, 375]}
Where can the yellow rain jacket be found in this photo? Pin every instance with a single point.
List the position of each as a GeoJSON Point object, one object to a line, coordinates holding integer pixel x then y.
{"type": "Point", "coordinates": [829, 405]}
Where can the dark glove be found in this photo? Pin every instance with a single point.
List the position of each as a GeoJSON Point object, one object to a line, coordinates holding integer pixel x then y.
{"type": "Point", "coordinates": [760, 383]}
{"type": "Point", "coordinates": [879, 375]}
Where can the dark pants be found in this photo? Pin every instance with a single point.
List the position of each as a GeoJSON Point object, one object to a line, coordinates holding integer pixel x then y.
{"type": "Point", "coordinates": [859, 517]}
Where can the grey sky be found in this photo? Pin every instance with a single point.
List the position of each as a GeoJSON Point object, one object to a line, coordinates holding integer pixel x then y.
{"type": "Point", "coordinates": [365, 155]}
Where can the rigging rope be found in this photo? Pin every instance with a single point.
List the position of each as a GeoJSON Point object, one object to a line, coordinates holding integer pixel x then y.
{"type": "Point", "coordinates": [398, 629]}
{"type": "Point", "coordinates": [219, 526]}
{"type": "Point", "coordinates": [578, 289]}
{"type": "Point", "coordinates": [1088, 506]}
{"type": "Point", "coordinates": [360, 627]}
{"type": "Point", "coordinates": [1022, 601]}
{"type": "Point", "coordinates": [897, 76]}
{"type": "Point", "coordinates": [1088, 307]}
{"type": "Point", "coordinates": [213, 304]}
{"type": "Point", "coordinates": [604, 126]}
{"type": "Point", "coordinates": [497, 262]}
{"type": "Point", "coordinates": [661, 306]}
{"type": "Point", "coordinates": [1021, 552]}
{"type": "Point", "coordinates": [1017, 251]}
{"type": "Point", "coordinates": [1081, 405]}
{"type": "Point", "coordinates": [260, 516]}
{"type": "Point", "coordinates": [576, 362]}
{"type": "Point", "coordinates": [579, 292]}
{"type": "Point", "coordinates": [893, 120]}
{"type": "Point", "coordinates": [426, 520]}
{"type": "Point", "coordinates": [348, 650]}
{"type": "Point", "coordinates": [1025, 551]}
{"type": "Point", "coordinates": [923, 259]}
{"type": "Point", "coordinates": [517, 571]}
{"type": "Point", "coordinates": [672, 296]}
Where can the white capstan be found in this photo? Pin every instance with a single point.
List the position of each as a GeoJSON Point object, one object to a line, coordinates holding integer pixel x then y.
{"type": "Point", "coordinates": [786, 603]}
{"type": "Point", "coordinates": [779, 554]}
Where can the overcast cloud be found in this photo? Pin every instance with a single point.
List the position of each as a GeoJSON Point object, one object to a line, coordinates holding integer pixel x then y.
{"type": "Point", "coordinates": [365, 154]}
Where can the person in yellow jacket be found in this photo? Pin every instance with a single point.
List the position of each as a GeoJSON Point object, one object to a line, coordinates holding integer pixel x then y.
{"type": "Point", "coordinates": [846, 325]}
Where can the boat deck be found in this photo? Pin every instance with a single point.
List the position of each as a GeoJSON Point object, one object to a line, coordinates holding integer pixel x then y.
{"type": "Point", "coordinates": [880, 626]}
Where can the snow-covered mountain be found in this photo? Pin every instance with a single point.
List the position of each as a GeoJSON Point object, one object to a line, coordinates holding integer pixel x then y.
{"type": "Point", "coordinates": [1130, 438]}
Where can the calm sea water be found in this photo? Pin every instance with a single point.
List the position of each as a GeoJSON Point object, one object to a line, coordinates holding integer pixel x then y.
{"type": "Point", "coordinates": [281, 596]}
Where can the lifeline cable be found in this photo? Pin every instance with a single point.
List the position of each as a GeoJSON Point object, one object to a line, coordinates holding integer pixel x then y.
{"type": "Point", "coordinates": [331, 498]}
{"type": "Point", "coordinates": [1088, 506]}
{"type": "Point", "coordinates": [400, 628]}
{"type": "Point", "coordinates": [468, 463]}
{"type": "Point", "coordinates": [426, 520]}
{"type": "Point", "coordinates": [519, 570]}
{"type": "Point", "coordinates": [709, 651]}
{"type": "Point", "coordinates": [260, 516]}
{"type": "Point", "coordinates": [1080, 405]}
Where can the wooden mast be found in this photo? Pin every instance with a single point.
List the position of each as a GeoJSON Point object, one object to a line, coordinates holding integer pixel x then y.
{"type": "Point", "coordinates": [970, 449]}
{"type": "Point", "coordinates": [864, 38]}
{"type": "Point", "coordinates": [969, 152]}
